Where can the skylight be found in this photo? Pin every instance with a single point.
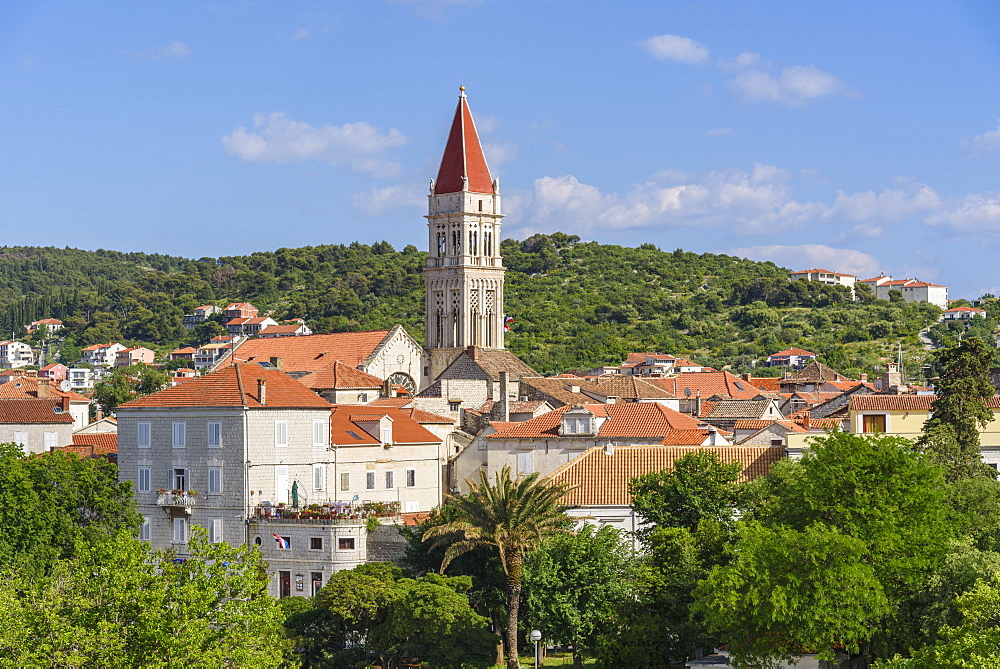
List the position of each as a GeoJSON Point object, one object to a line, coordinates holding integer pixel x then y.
{"type": "Point", "coordinates": [354, 435]}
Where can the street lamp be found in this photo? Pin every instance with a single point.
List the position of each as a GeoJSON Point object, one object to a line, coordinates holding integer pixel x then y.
{"type": "Point", "coordinates": [536, 636]}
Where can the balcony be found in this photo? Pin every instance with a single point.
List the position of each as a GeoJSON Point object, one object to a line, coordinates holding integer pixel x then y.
{"type": "Point", "coordinates": [175, 500]}
{"type": "Point", "coordinates": [335, 513]}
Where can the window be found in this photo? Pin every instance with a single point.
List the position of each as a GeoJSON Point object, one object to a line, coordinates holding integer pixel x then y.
{"type": "Point", "coordinates": [362, 398]}
{"type": "Point", "coordinates": [180, 479]}
{"type": "Point", "coordinates": [319, 477]}
{"type": "Point", "coordinates": [369, 480]}
{"type": "Point", "coordinates": [345, 544]}
{"type": "Point", "coordinates": [317, 581]}
{"type": "Point", "coordinates": [144, 532]}
{"type": "Point", "coordinates": [51, 439]}
{"type": "Point", "coordinates": [142, 480]}
{"type": "Point", "coordinates": [345, 480]}
{"type": "Point", "coordinates": [179, 434]}
{"type": "Point", "coordinates": [143, 435]}
{"type": "Point", "coordinates": [454, 406]}
{"type": "Point", "coordinates": [525, 464]}
{"type": "Point", "coordinates": [316, 543]}
{"type": "Point", "coordinates": [214, 434]}
{"type": "Point", "coordinates": [21, 439]}
{"type": "Point", "coordinates": [280, 433]}
{"type": "Point", "coordinates": [411, 478]}
{"type": "Point", "coordinates": [318, 440]}
{"type": "Point", "coordinates": [412, 507]}
{"type": "Point", "coordinates": [215, 533]}
{"type": "Point", "coordinates": [180, 530]}
{"type": "Point", "coordinates": [389, 485]}
{"type": "Point", "coordinates": [386, 435]}
{"type": "Point", "coordinates": [215, 480]}
{"type": "Point", "coordinates": [284, 543]}
{"type": "Point", "coordinates": [872, 423]}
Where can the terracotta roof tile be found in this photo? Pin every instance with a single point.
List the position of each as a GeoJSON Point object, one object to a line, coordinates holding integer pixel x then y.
{"type": "Point", "coordinates": [26, 387]}
{"type": "Point", "coordinates": [752, 424]}
{"type": "Point", "coordinates": [891, 402]}
{"type": "Point", "coordinates": [710, 383]}
{"type": "Point", "coordinates": [630, 388]}
{"type": "Point", "coordinates": [602, 479]}
{"type": "Point", "coordinates": [636, 420]}
{"type": "Point", "coordinates": [559, 389]}
{"type": "Point", "coordinates": [312, 352]}
{"type": "Point", "coordinates": [405, 430]}
{"type": "Point", "coordinates": [739, 409]}
{"type": "Point", "coordinates": [25, 411]}
{"type": "Point", "coordinates": [463, 157]}
{"type": "Point", "coordinates": [790, 351]}
{"type": "Point", "coordinates": [234, 386]}
{"type": "Point", "coordinates": [770, 384]}
{"type": "Point", "coordinates": [340, 376]}
{"type": "Point", "coordinates": [99, 442]}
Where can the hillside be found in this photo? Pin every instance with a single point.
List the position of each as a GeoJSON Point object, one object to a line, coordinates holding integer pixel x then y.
{"type": "Point", "coordinates": [576, 304]}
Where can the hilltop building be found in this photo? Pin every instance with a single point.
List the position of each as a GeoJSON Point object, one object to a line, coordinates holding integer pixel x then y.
{"type": "Point", "coordinates": [825, 276]}
{"type": "Point", "coordinates": [911, 290]}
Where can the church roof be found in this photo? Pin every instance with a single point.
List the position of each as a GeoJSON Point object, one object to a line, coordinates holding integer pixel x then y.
{"type": "Point", "coordinates": [311, 353]}
{"type": "Point", "coordinates": [339, 376]}
{"type": "Point", "coordinates": [463, 156]}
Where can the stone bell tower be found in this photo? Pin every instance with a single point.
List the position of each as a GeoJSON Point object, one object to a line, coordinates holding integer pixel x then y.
{"type": "Point", "coordinates": [464, 274]}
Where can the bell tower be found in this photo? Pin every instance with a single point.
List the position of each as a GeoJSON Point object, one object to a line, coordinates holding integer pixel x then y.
{"type": "Point", "coordinates": [464, 275]}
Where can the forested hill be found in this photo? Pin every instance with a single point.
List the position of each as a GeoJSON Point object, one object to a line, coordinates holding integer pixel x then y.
{"type": "Point", "coordinates": [576, 304]}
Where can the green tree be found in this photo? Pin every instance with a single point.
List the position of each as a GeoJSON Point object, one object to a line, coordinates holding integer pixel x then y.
{"type": "Point", "coordinates": [115, 603]}
{"type": "Point", "coordinates": [951, 433]}
{"type": "Point", "coordinates": [786, 590]}
{"type": "Point", "coordinates": [973, 643]}
{"type": "Point", "coordinates": [128, 383]}
{"type": "Point", "coordinates": [511, 515]}
{"type": "Point", "coordinates": [699, 486]}
{"type": "Point", "coordinates": [52, 503]}
{"type": "Point", "coordinates": [575, 584]}
{"type": "Point", "coordinates": [850, 488]}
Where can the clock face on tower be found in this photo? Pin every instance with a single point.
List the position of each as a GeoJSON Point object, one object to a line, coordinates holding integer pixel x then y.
{"type": "Point", "coordinates": [403, 379]}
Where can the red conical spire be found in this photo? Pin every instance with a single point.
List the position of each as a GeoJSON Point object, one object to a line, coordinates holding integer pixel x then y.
{"type": "Point", "coordinates": [463, 156]}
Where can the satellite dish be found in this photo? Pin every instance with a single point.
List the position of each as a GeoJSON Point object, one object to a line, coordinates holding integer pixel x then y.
{"type": "Point", "coordinates": [687, 392]}
{"type": "Point", "coordinates": [65, 386]}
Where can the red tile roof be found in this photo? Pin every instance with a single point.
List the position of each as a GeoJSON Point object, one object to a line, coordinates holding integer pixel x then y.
{"type": "Point", "coordinates": [790, 351]}
{"type": "Point", "coordinates": [964, 309]}
{"type": "Point", "coordinates": [337, 375]}
{"type": "Point", "coordinates": [463, 157]}
{"type": "Point", "coordinates": [26, 387]}
{"type": "Point", "coordinates": [770, 384]}
{"type": "Point", "coordinates": [636, 420]}
{"type": "Point", "coordinates": [709, 383]}
{"type": "Point", "coordinates": [405, 430]}
{"type": "Point", "coordinates": [234, 386]}
{"type": "Point", "coordinates": [282, 329]}
{"type": "Point", "coordinates": [820, 271]}
{"type": "Point", "coordinates": [752, 424]}
{"type": "Point", "coordinates": [602, 479]}
{"type": "Point", "coordinates": [891, 402]}
{"type": "Point", "coordinates": [312, 352]}
{"type": "Point", "coordinates": [33, 411]}
{"type": "Point", "coordinates": [100, 443]}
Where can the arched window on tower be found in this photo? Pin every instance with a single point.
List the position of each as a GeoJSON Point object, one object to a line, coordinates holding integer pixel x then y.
{"type": "Point", "coordinates": [442, 244]}
{"type": "Point", "coordinates": [456, 242]}
{"type": "Point", "coordinates": [474, 243]}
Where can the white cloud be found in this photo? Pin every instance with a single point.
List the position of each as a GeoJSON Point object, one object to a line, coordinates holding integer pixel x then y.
{"type": "Point", "coordinates": [499, 153]}
{"type": "Point", "coordinates": [277, 139]}
{"type": "Point", "coordinates": [172, 50]}
{"type": "Point", "coordinates": [977, 212]}
{"type": "Point", "coordinates": [301, 33]}
{"type": "Point", "coordinates": [797, 85]}
{"type": "Point", "coordinates": [719, 132]}
{"type": "Point", "coordinates": [743, 61]}
{"type": "Point", "coordinates": [377, 201]}
{"type": "Point", "coordinates": [891, 205]}
{"type": "Point", "coordinates": [804, 256]}
{"type": "Point", "coordinates": [676, 48]}
{"type": "Point", "coordinates": [985, 142]}
{"type": "Point", "coordinates": [753, 201]}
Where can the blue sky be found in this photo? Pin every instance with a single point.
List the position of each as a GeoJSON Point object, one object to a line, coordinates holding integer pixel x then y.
{"type": "Point", "coordinates": [855, 136]}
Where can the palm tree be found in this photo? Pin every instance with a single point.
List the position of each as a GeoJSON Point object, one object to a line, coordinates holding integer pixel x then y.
{"type": "Point", "coordinates": [511, 515]}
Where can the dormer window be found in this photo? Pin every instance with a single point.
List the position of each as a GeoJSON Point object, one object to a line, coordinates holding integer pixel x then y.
{"type": "Point", "coordinates": [577, 422]}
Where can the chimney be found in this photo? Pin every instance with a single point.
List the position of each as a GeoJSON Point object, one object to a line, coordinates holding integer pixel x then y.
{"type": "Point", "coordinates": [863, 378]}
{"type": "Point", "coordinates": [99, 415]}
{"type": "Point", "coordinates": [278, 362]}
{"type": "Point", "coordinates": [504, 397]}
{"type": "Point", "coordinates": [262, 391]}
{"type": "Point", "coordinates": [473, 352]}
{"type": "Point", "coordinates": [65, 403]}
{"type": "Point", "coordinates": [575, 389]}
{"type": "Point", "coordinates": [805, 420]}
{"type": "Point", "coordinates": [609, 448]}
{"type": "Point", "coordinates": [697, 404]}
{"type": "Point", "coordinates": [44, 389]}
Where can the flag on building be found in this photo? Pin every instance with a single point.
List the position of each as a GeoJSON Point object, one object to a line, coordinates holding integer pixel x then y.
{"type": "Point", "coordinates": [508, 323]}
{"type": "Point", "coordinates": [282, 542]}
